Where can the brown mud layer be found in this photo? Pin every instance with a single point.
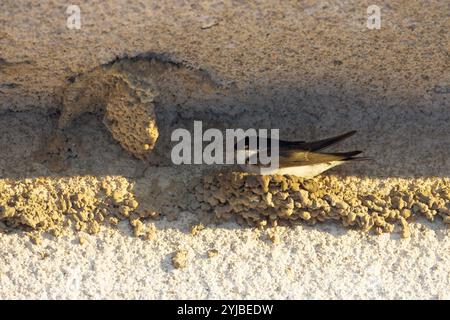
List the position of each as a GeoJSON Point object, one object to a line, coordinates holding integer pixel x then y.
{"type": "Point", "coordinates": [267, 200]}
{"type": "Point", "coordinates": [61, 205]}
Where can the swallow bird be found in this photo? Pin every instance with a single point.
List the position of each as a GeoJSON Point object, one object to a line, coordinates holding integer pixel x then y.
{"type": "Point", "coordinates": [297, 158]}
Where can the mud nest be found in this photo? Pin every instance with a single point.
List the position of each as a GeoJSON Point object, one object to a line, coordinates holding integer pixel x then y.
{"type": "Point", "coordinates": [267, 200]}
{"type": "Point", "coordinates": [58, 206]}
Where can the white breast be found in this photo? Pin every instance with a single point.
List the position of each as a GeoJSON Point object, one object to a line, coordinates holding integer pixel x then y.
{"type": "Point", "coordinates": [300, 171]}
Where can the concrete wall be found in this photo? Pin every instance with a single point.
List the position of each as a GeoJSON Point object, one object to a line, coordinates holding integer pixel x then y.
{"type": "Point", "coordinates": [311, 68]}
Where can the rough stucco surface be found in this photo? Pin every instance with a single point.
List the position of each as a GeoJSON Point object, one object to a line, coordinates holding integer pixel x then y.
{"type": "Point", "coordinates": [314, 47]}
{"type": "Point", "coordinates": [312, 69]}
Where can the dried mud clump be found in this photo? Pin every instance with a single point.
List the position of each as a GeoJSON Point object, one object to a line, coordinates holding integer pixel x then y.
{"type": "Point", "coordinates": [126, 101]}
{"type": "Point", "coordinates": [366, 204]}
{"type": "Point", "coordinates": [59, 206]}
{"type": "Point", "coordinates": [179, 260]}
{"type": "Point", "coordinates": [129, 92]}
{"type": "Point", "coordinates": [196, 229]}
{"type": "Point", "coordinates": [212, 253]}
{"type": "Point", "coordinates": [130, 116]}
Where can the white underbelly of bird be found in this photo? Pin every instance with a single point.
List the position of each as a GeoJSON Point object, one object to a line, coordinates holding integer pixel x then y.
{"type": "Point", "coordinates": [307, 172]}
{"type": "Point", "coordinates": [297, 158]}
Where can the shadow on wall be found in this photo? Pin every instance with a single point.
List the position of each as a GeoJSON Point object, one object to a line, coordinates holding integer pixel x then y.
{"type": "Point", "coordinates": [405, 141]}
{"type": "Point", "coordinates": [406, 136]}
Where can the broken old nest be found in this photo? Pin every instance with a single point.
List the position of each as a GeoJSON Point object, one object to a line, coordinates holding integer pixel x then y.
{"type": "Point", "coordinates": [260, 200]}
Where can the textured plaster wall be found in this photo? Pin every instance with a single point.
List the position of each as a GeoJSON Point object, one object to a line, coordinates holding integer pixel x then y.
{"type": "Point", "coordinates": [313, 47]}
{"type": "Point", "coordinates": [311, 68]}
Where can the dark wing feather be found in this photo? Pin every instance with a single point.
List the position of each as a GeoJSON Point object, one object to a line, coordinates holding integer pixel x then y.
{"type": "Point", "coordinates": [303, 145]}
{"type": "Point", "coordinates": [304, 158]}
{"type": "Point", "coordinates": [315, 145]}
